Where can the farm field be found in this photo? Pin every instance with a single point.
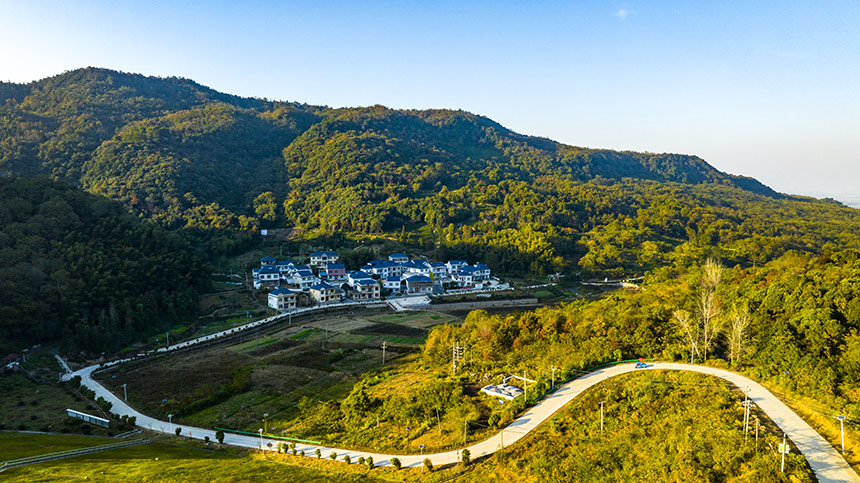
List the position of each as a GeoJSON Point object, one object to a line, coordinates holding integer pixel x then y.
{"type": "Point", "coordinates": [317, 358]}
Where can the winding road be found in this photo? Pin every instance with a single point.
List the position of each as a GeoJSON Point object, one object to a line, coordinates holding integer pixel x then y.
{"type": "Point", "coordinates": [825, 461]}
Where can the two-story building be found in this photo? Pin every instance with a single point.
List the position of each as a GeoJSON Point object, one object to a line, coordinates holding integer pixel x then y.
{"type": "Point", "coordinates": [323, 293]}
{"type": "Point", "coordinates": [398, 258]}
{"type": "Point", "coordinates": [393, 284]}
{"type": "Point", "coordinates": [266, 276]}
{"type": "Point", "coordinates": [333, 273]}
{"type": "Point", "coordinates": [283, 299]}
{"type": "Point", "coordinates": [320, 259]}
{"type": "Point", "coordinates": [365, 289]}
{"type": "Point", "coordinates": [419, 284]}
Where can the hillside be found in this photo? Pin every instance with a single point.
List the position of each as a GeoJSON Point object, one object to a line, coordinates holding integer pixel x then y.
{"type": "Point", "coordinates": [185, 156]}
{"type": "Point", "coordinates": [77, 271]}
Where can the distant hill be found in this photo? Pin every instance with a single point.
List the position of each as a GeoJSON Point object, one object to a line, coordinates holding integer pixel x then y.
{"type": "Point", "coordinates": [186, 156]}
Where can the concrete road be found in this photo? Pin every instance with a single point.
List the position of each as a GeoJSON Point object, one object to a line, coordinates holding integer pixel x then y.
{"type": "Point", "coordinates": [826, 462]}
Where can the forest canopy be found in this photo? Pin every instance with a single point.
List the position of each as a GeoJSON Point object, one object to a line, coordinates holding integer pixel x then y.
{"type": "Point", "coordinates": [78, 271]}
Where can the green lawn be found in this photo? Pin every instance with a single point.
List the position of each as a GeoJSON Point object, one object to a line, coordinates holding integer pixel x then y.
{"type": "Point", "coordinates": [165, 462]}
{"type": "Point", "coordinates": [14, 445]}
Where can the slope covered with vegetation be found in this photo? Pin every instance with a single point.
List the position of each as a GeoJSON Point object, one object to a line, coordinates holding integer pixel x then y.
{"type": "Point", "coordinates": [185, 156]}
{"type": "Point", "coordinates": [77, 270]}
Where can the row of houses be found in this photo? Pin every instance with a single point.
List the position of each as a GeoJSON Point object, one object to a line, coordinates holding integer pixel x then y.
{"type": "Point", "coordinates": [296, 284]}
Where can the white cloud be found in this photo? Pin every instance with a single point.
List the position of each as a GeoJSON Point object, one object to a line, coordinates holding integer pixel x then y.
{"type": "Point", "coordinates": [621, 13]}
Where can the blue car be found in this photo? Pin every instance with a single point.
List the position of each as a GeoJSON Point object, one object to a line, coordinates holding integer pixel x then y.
{"type": "Point", "coordinates": [640, 365]}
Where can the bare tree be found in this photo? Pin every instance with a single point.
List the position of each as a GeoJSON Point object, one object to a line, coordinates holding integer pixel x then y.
{"type": "Point", "coordinates": [709, 304]}
{"type": "Point", "coordinates": [712, 274]}
{"type": "Point", "coordinates": [685, 322]}
{"type": "Point", "coordinates": [740, 321]}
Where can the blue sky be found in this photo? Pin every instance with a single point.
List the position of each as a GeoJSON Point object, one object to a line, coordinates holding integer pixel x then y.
{"type": "Point", "coordinates": [764, 89]}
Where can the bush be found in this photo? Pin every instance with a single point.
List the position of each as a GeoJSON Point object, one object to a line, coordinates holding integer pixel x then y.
{"type": "Point", "coordinates": [333, 456]}
{"type": "Point", "coordinates": [361, 460]}
{"type": "Point", "coordinates": [132, 421]}
{"type": "Point", "coordinates": [369, 462]}
{"type": "Point", "coordinates": [428, 465]}
{"type": "Point", "coordinates": [395, 462]}
{"type": "Point", "coordinates": [465, 457]}
{"type": "Point", "coordinates": [206, 439]}
{"type": "Point", "coordinates": [318, 453]}
{"type": "Point", "coordinates": [346, 459]}
{"type": "Point", "coordinates": [302, 453]}
{"type": "Point", "coordinates": [219, 435]}
{"type": "Point", "coordinates": [178, 430]}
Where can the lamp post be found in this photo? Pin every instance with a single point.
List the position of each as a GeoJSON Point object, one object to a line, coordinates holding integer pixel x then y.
{"type": "Point", "coordinates": [553, 378]}
{"type": "Point", "coordinates": [265, 422]}
{"type": "Point", "coordinates": [841, 419]}
{"type": "Point", "coordinates": [261, 439]}
{"type": "Point", "coordinates": [125, 391]}
{"type": "Point", "coordinates": [170, 422]}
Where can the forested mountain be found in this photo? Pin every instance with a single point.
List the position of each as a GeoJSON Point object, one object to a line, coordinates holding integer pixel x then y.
{"type": "Point", "coordinates": [77, 270]}
{"type": "Point", "coordinates": [185, 156]}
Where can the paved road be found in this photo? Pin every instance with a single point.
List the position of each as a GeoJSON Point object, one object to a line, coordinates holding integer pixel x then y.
{"type": "Point", "coordinates": [825, 461]}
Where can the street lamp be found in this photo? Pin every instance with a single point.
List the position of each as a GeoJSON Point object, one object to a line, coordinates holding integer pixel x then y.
{"type": "Point", "coordinates": [170, 421]}
{"type": "Point", "coordinates": [125, 391]}
{"type": "Point", "coordinates": [553, 378]}
{"type": "Point", "coordinates": [261, 439]}
{"type": "Point", "coordinates": [265, 422]}
{"type": "Point", "coordinates": [841, 419]}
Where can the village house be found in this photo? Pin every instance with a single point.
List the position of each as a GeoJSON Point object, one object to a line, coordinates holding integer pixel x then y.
{"type": "Point", "coordinates": [333, 272]}
{"type": "Point", "coordinates": [283, 299]}
{"type": "Point", "coordinates": [398, 258]}
{"type": "Point", "coordinates": [266, 276]}
{"type": "Point", "coordinates": [366, 289]}
{"type": "Point", "coordinates": [419, 284]}
{"type": "Point", "coordinates": [352, 277]}
{"type": "Point", "coordinates": [323, 293]}
{"type": "Point", "coordinates": [393, 284]}
{"type": "Point", "coordinates": [320, 259]}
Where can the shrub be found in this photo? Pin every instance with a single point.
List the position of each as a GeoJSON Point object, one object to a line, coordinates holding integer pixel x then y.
{"type": "Point", "coordinates": [132, 420]}
{"type": "Point", "coordinates": [318, 453]}
{"type": "Point", "coordinates": [219, 435]}
{"type": "Point", "coordinates": [302, 452]}
{"type": "Point", "coordinates": [466, 457]}
{"type": "Point", "coordinates": [333, 456]}
{"type": "Point", "coordinates": [347, 460]}
{"type": "Point", "coordinates": [361, 460]}
{"type": "Point", "coordinates": [369, 462]}
{"type": "Point", "coordinates": [206, 439]}
{"type": "Point", "coordinates": [178, 430]}
{"type": "Point", "coordinates": [428, 465]}
{"type": "Point", "coordinates": [395, 462]}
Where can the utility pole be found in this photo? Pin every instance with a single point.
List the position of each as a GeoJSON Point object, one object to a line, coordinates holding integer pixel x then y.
{"type": "Point", "coordinates": [384, 346]}
{"type": "Point", "coordinates": [525, 386]}
{"type": "Point", "coordinates": [756, 434]}
{"type": "Point", "coordinates": [439, 422]}
{"type": "Point", "coordinates": [601, 415]}
{"type": "Point", "coordinates": [841, 419]}
{"type": "Point", "coordinates": [125, 392]}
{"type": "Point", "coordinates": [783, 449]}
{"type": "Point", "coordinates": [692, 348]}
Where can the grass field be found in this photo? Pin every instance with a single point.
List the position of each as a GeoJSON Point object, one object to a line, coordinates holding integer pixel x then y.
{"type": "Point", "coordinates": [165, 462]}
{"type": "Point", "coordinates": [15, 445]}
